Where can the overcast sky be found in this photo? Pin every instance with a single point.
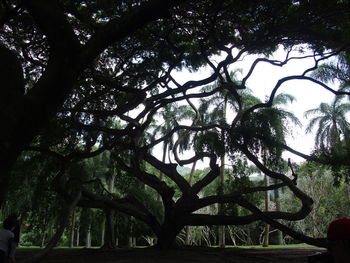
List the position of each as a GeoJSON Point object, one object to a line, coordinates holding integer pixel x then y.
{"type": "Point", "coordinates": [308, 95]}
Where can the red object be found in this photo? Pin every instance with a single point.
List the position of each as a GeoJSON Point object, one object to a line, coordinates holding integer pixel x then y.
{"type": "Point", "coordinates": [339, 229]}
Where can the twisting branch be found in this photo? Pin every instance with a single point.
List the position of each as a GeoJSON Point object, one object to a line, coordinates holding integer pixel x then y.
{"type": "Point", "coordinates": [293, 173]}
{"type": "Point", "coordinates": [169, 170]}
{"type": "Point", "coordinates": [324, 57]}
{"type": "Point", "coordinates": [128, 205]}
{"type": "Point", "coordinates": [206, 180]}
{"type": "Point", "coordinates": [280, 63]}
{"type": "Point", "coordinates": [279, 84]}
{"type": "Point", "coordinates": [120, 27]}
{"type": "Point", "coordinates": [186, 133]}
{"type": "Point", "coordinates": [265, 217]}
{"type": "Point", "coordinates": [231, 197]}
{"type": "Point", "coordinates": [307, 202]}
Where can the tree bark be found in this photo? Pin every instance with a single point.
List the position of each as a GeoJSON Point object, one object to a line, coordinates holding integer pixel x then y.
{"type": "Point", "coordinates": [167, 237]}
{"type": "Point", "coordinates": [77, 236]}
{"type": "Point", "coordinates": [161, 174]}
{"type": "Point", "coordinates": [267, 226]}
{"type": "Point", "coordinates": [72, 230]}
{"type": "Point", "coordinates": [222, 182]}
{"type": "Point", "coordinates": [188, 228]}
{"type": "Point", "coordinates": [88, 237]}
{"type": "Point", "coordinates": [220, 206]}
{"type": "Point", "coordinates": [131, 230]}
{"type": "Point", "coordinates": [43, 239]}
{"type": "Point", "coordinates": [109, 237]}
{"type": "Point", "coordinates": [103, 231]}
{"type": "Point", "coordinates": [279, 238]}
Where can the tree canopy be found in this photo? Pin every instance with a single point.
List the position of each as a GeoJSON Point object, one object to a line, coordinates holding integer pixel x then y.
{"type": "Point", "coordinates": [84, 77]}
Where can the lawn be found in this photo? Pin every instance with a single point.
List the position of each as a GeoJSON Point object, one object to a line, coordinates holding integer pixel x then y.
{"type": "Point", "coordinates": [280, 254]}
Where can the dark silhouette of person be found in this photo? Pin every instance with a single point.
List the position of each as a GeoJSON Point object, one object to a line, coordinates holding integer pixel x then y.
{"type": "Point", "coordinates": [338, 236]}
{"type": "Point", "coordinates": [9, 239]}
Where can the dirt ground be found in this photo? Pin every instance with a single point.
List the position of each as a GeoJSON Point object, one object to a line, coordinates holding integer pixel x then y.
{"type": "Point", "coordinates": [193, 254]}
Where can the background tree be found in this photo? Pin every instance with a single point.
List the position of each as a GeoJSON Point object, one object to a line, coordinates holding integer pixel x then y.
{"type": "Point", "coordinates": [332, 124]}
{"type": "Point", "coordinates": [317, 179]}
{"type": "Point", "coordinates": [335, 71]}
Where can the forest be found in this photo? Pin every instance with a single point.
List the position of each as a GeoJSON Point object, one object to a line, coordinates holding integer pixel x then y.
{"type": "Point", "coordinates": [105, 143]}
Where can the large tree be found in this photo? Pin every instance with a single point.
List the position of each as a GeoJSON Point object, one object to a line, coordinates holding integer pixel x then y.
{"type": "Point", "coordinates": [86, 64]}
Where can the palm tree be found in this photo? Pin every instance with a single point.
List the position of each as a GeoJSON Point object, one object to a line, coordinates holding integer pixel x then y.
{"type": "Point", "coordinates": [103, 167]}
{"type": "Point", "coordinates": [338, 70]}
{"type": "Point", "coordinates": [171, 115]}
{"type": "Point", "coordinates": [331, 122]}
{"type": "Point", "coordinates": [214, 110]}
{"type": "Point", "coordinates": [270, 126]}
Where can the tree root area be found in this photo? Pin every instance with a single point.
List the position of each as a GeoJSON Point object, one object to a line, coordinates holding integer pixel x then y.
{"type": "Point", "coordinates": [189, 254]}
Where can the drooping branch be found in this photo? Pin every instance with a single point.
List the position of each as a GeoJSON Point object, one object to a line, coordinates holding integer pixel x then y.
{"type": "Point", "coordinates": [307, 202]}
{"type": "Point", "coordinates": [279, 84]}
{"type": "Point", "coordinates": [69, 157]}
{"type": "Point", "coordinates": [265, 217]}
{"type": "Point", "coordinates": [128, 205]}
{"type": "Point", "coordinates": [57, 236]}
{"type": "Point", "coordinates": [231, 197]}
{"type": "Point", "coordinates": [281, 63]}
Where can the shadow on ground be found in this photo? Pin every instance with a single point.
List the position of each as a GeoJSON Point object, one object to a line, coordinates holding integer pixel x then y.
{"type": "Point", "coordinates": [193, 254]}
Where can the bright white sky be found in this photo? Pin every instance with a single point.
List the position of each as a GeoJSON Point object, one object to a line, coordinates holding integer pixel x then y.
{"type": "Point", "coordinates": [308, 95]}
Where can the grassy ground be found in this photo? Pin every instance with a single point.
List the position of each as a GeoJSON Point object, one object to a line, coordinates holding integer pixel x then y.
{"type": "Point", "coordinates": [281, 254]}
{"type": "Point", "coordinates": [301, 245]}
{"type": "Point", "coordinates": [291, 246]}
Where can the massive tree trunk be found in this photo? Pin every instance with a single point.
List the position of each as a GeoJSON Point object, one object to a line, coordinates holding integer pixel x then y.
{"type": "Point", "coordinates": [167, 236]}
{"type": "Point", "coordinates": [27, 121]}
{"type": "Point", "coordinates": [109, 237]}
